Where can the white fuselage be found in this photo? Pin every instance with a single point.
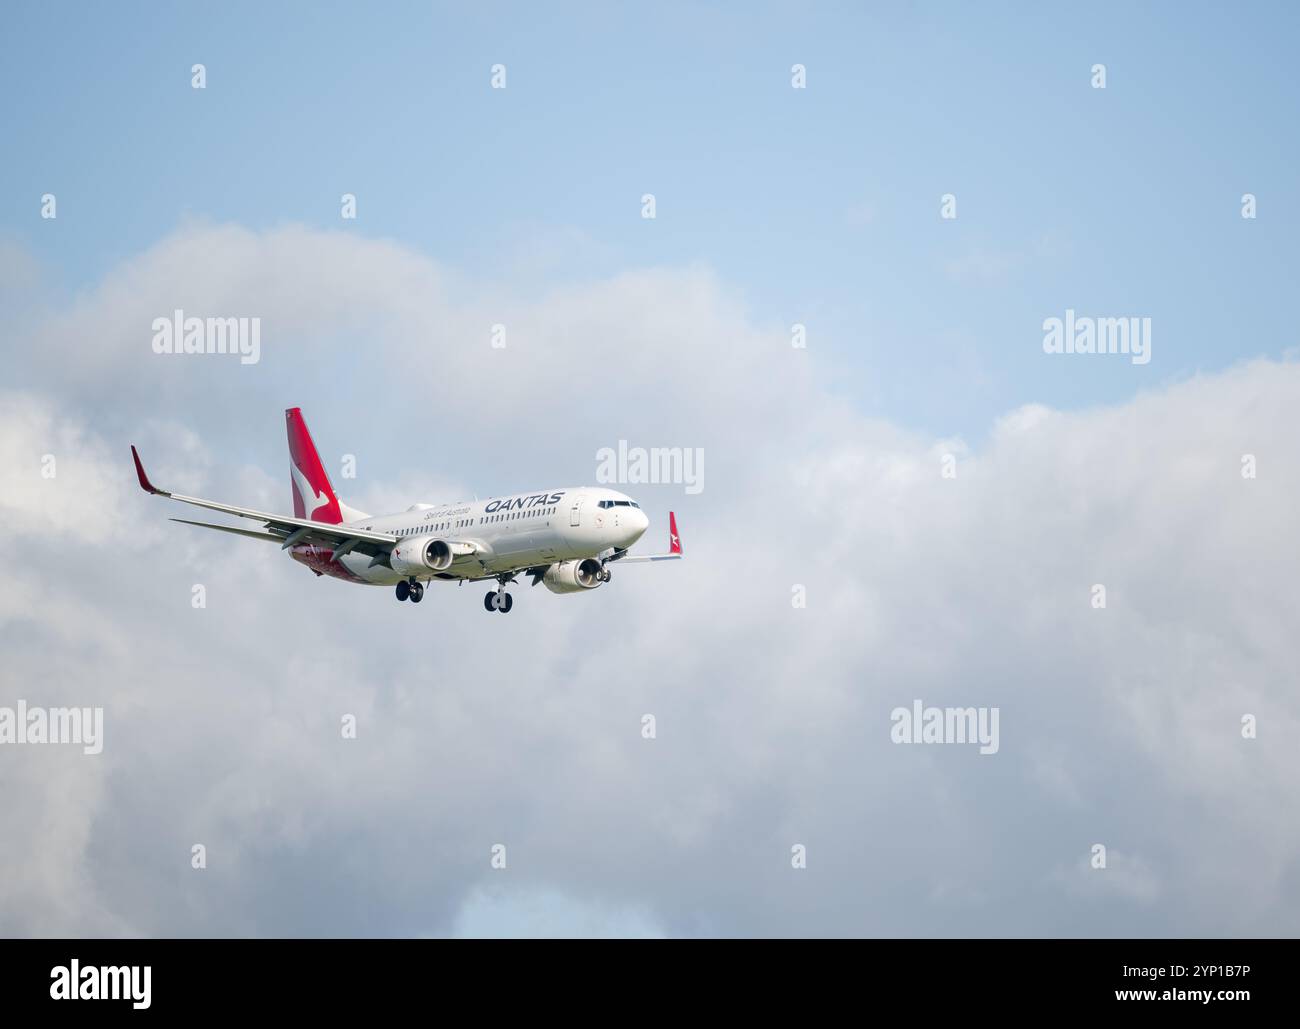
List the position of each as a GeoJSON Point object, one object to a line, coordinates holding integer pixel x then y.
{"type": "Point", "coordinates": [499, 534]}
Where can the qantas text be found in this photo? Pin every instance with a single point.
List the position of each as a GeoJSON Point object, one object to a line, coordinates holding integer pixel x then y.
{"type": "Point", "coordinates": [519, 503]}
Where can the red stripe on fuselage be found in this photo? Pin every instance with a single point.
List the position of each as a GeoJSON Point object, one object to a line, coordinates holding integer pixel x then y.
{"type": "Point", "coordinates": [320, 560]}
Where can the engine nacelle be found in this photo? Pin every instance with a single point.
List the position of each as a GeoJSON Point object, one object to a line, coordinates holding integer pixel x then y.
{"type": "Point", "coordinates": [420, 555]}
{"type": "Point", "coordinates": [573, 576]}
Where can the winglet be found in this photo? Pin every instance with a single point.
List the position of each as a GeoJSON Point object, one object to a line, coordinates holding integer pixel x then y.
{"type": "Point", "coordinates": [145, 484]}
{"type": "Point", "coordinates": [674, 541]}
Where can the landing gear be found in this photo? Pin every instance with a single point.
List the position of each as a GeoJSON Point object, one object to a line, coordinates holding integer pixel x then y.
{"type": "Point", "coordinates": [410, 588]}
{"type": "Point", "coordinates": [606, 575]}
{"type": "Point", "coordinates": [499, 599]}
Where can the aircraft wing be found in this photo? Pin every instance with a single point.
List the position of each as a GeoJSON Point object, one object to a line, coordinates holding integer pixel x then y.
{"type": "Point", "coordinates": [632, 559]}
{"type": "Point", "coordinates": [287, 529]}
{"type": "Point", "coordinates": [674, 548]}
{"type": "Point", "coordinates": [270, 537]}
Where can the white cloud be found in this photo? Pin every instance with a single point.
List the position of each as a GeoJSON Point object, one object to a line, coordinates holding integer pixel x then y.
{"type": "Point", "coordinates": [222, 724]}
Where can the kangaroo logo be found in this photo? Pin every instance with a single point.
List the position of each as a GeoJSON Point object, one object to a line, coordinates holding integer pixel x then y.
{"type": "Point", "coordinates": [311, 500]}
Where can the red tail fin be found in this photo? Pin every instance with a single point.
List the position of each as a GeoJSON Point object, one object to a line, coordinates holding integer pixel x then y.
{"type": "Point", "coordinates": [313, 496]}
{"type": "Point", "coordinates": [674, 541]}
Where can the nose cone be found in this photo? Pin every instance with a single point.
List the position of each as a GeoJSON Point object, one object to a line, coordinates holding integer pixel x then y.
{"type": "Point", "coordinates": [632, 524]}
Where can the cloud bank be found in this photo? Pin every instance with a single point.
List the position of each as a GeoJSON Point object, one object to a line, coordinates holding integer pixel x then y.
{"type": "Point", "coordinates": [1120, 726]}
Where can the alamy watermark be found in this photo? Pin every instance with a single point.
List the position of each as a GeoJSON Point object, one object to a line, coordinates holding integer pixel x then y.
{"type": "Point", "coordinates": [78, 725]}
{"type": "Point", "coordinates": [680, 466]}
{"type": "Point", "coordinates": [921, 724]}
{"type": "Point", "coordinates": [1074, 335]}
{"type": "Point", "coordinates": [181, 335]}
{"type": "Point", "coordinates": [74, 981]}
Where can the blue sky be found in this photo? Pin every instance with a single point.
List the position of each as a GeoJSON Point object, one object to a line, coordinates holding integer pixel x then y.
{"type": "Point", "coordinates": [818, 206]}
{"type": "Point", "coordinates": [824, 475]}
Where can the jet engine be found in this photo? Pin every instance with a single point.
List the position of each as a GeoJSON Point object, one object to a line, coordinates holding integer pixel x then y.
{"type": "Point", "coordinates": [574, 576]}
{"type": "Point", "coordinates": [421, 555]}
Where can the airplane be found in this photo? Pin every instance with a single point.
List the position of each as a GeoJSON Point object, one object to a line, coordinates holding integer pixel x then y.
{"type": "Point", "coordinates": [564, 538]}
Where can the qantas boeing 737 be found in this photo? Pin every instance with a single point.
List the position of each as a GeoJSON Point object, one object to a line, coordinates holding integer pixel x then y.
{"type": "Point", "coordinates": [566, 538]}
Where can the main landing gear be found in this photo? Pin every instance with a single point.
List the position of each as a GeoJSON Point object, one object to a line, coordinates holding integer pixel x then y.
{"type": "Point", "coordinates": [499, 599]}
{"type": "Point", "coordinates": [411, 589]}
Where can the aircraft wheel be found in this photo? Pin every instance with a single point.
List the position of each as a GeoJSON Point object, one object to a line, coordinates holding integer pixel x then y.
{"type": "Point", "coordinates": [417, 592]}
{"type": "Point", "coordinates": [507, 602]}
{"type": "Point", "coordinates": [403, 590]}
{"type": "Point", "coordinates": [490, 601]}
